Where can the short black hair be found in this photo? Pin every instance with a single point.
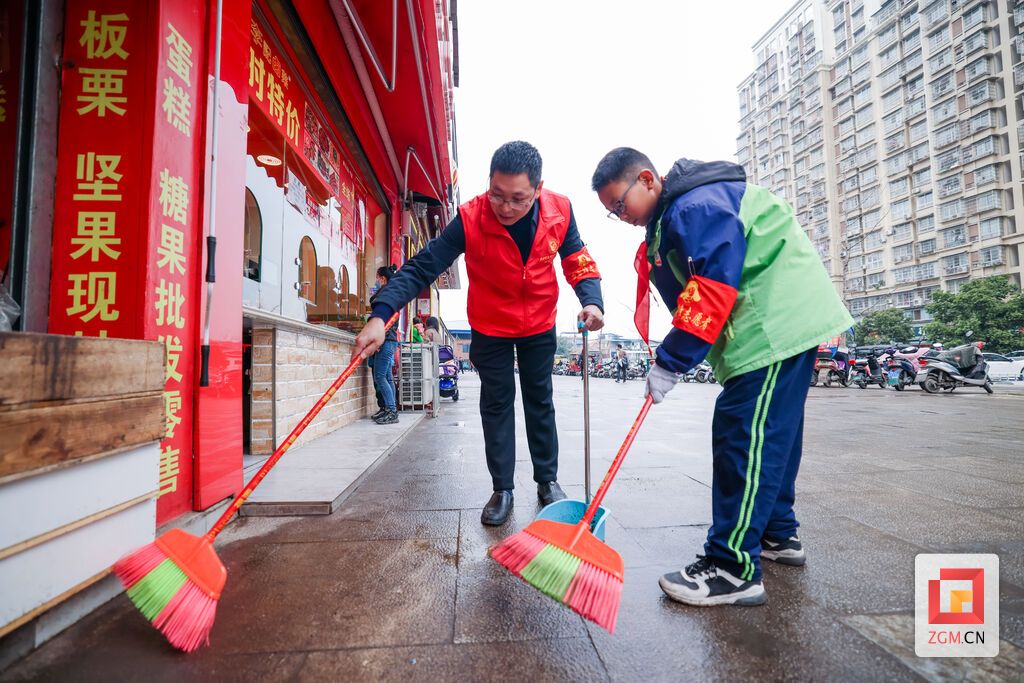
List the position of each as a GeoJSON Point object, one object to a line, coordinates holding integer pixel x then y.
{"type": "Point", "coordinates": [622, 163]}
{"type": "Point", "coordinates": [517, 157]}
{"type": "Point", "coordinates": [433, 324]}
{"type": "Point", "coordinates": [386, 272]}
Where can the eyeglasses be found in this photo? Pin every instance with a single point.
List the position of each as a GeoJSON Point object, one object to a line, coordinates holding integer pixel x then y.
{"type": "Point", "coordinates": [517, 204]}
{"type": "Point", "coordinates": [619, 207]}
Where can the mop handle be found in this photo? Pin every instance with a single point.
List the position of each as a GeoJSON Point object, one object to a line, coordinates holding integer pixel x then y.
{"type": "Point", "coordinates": [287, 443]}
{"type": "Point", "coordinates": [586, 413]}
{"type": "Point", "coordinates": [588, 517]}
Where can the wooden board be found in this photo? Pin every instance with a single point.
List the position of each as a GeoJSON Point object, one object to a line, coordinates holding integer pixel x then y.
{"type": "Point", "coordinates": [46, 436]}
{"type": "Point", "coordinates": [48, 367]}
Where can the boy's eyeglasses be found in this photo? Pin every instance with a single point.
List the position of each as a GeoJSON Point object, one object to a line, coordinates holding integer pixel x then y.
{"type": "Point", "coordinates": [517, 204]}
{"type": "Point", "coordinates": [619, 207]}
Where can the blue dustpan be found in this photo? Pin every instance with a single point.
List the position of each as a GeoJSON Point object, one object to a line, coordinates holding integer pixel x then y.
{"type": "Point", "coordinates": [571, 512]}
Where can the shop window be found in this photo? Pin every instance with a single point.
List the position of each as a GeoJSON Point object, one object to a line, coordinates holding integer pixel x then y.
{"type": "Point", "coordinates": [252, 258]}
{"type": "Point", "coordinates": [307, 270]}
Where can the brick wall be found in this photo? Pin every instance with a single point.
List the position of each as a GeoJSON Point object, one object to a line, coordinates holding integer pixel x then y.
{"type": "Point", "coordinates": [304, 367]}
{"type": "Point", "coordinates": [261, 435]}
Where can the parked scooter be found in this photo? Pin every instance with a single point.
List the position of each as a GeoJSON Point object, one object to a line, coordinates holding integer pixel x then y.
{"type": "Point", "coordinates": [903, 366]}
{"type": "Point", "coordinates": [870, 370]}
{"type": "Point", "coordinates": [960, 366]}
{"type": "Point", "coordinates": [704, 373]}
{"type": "Point", "coordinates": [835, 365]}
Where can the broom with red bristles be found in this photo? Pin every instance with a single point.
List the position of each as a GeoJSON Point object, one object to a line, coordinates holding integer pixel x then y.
{"type": "Point", "coordinates": [176, 580]}
{"type": "Point", "coordinates": [566, 561]}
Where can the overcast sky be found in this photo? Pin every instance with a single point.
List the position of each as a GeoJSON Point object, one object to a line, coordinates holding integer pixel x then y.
{"type": "Point", "coordinates": [576, 78]}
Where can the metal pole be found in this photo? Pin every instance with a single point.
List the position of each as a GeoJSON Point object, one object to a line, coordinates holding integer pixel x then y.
{"type": "Point", "coordinates": [586, 417]}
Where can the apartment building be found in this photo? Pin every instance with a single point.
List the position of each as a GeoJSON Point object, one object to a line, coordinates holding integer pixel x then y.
{"type": "Point", "coordinates": [786, 142]}
{"type": "Point", "coordinates": [924, 115]}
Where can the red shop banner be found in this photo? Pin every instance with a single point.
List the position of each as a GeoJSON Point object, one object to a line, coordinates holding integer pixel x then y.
{"type": "Point", "coordinates": [175, 219]}
{"type": "Point", "coordinates": [97, 240]}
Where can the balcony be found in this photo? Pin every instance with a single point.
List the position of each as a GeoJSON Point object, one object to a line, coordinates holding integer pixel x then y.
{"type": "Point", "coordinates": [956, 269]}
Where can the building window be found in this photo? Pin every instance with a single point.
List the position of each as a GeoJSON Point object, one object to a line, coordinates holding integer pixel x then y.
{"type": "Point", "coordinates": [922, 177]}
{"type": "Point", "coordinates": [991, 256]}
{"type": "Point", "coordinates": [307, 270]}
{"type": "Point", "coordinates": [901, 209]}
{"type": "Point", "coordinates": [925, 247]}
{"type": "Point", "coordinates": [986, 174]}
{"type": "Point", "coordinates": [926, 224]}
{"type": "Point", "coordinates": [902, 231]}
{"type": "Point", "coordinates": [253, 240]}
{"type": "Point", "coordinates": [991, 227]}
{"type": "Point", "coordinates": [899, 187]}
{"type": "Point", "coordinates": [954, 237]}
{"type": "Point", "coordinates": [904, 252]}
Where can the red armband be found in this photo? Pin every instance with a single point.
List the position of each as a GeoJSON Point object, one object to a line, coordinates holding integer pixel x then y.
{"type": "Point", "coordinates": [703, 307]}
{"type": "Point", "coordinates": [579, 266]}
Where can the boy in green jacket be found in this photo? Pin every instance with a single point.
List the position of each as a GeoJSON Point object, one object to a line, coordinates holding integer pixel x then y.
{"type": "Point", "coordinates": [751, 295]}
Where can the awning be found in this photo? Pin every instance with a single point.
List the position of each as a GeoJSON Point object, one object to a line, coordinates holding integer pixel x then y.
{"type": "Point", "coordinates": [390, 67]}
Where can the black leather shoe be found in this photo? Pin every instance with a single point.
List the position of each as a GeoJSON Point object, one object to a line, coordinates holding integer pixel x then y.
{"type": "Point", "coordinates": [549, 493]}
{"type": "Point", "coordinates": [498, 508]}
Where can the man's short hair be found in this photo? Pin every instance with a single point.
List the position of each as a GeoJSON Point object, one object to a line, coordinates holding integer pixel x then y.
{"type": "Point", "coordinates": [517, 157]}
{"type": "Point", "coordinates": [622, 163]}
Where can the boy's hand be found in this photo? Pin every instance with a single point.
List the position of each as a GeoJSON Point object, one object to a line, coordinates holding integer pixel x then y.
{"type": "Point", "coordinates": [370, 339]}
{"type": "Point", "coordinates": [591, 317]}
{"type": "Point", "coordinates": [659, 382]}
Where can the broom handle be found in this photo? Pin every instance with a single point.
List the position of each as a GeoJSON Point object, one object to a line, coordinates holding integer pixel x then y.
{"type": "Point", "coordinates": [586, 414]}
{"type": "Point", "coordinates": [287, 443]}
{"type": "Point", "coordinates": [588, 517]}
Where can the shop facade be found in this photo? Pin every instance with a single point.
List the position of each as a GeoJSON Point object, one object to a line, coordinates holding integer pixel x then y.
{"type": "Point", "coordinates": [222, 178]}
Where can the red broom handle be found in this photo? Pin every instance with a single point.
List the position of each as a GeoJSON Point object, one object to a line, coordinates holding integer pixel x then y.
{"type": "Point", "coordinates": [287, 443]}
{"type": "Point", "coordinates": [588, 516]}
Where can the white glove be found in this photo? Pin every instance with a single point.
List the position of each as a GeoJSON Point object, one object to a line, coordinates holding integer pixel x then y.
{"type": "Point", "coordinates": [659, 382]}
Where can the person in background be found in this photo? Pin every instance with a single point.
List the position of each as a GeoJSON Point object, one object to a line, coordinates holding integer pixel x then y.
{"type": "Point", "coordinates": [432, 331]}
{"type": "Point", "coordinates": [384, 360]}
{"type": "Point", "coordinates": [417, 330]}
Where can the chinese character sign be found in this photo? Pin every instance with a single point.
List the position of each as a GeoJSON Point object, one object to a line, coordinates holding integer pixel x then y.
{"type": "Point", "coordinates": [175, 221]}
{"type": "Point", "coordinates": [96, 240]}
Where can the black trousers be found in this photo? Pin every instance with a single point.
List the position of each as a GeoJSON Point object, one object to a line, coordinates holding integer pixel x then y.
{"type": "Point", "coordinates": [493, 358]}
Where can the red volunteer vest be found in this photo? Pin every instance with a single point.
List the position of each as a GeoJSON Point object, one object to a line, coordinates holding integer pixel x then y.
{"type": "Point", "coordinates": [506, 298]}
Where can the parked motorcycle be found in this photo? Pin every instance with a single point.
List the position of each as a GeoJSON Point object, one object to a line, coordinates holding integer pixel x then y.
{"type": "Point", "coordinates": [704, 374]}
{"type": "Point", "coordinates": [834, 364]}
{"type": "Point", "coordinates": [903, 366]}
{"type": "Point", "coordinates": [869, 370]}
{"type": "Point", "coordinates": [958, 367]}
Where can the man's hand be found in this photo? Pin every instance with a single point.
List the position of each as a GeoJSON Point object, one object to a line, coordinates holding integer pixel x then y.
{"type": "Point", "coordinates": [591, 317]}
{"type": "Point", "coordinates": [659, 382]}
{"type": "Point", "coordinates": [370, 339]}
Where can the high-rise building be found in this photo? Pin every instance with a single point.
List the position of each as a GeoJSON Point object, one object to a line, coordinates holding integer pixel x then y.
{"type": "Point", "coordinates": [923, 121]}
{"type": "Point", "coordinates": [786, 142]}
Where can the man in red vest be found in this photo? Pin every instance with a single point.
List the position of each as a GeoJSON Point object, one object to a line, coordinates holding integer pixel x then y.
{"type": "Point", "coordinates": [511, 236]}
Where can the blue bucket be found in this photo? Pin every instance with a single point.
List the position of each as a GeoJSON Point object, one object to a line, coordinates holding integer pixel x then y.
{"type": "Point", "coordinates": [571, 512]}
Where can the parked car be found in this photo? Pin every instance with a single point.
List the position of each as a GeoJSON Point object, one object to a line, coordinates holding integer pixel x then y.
{"type": "Point", "coordinates": [1015, 354]}
{"type": "Point", "coordinates": [1003, 368]}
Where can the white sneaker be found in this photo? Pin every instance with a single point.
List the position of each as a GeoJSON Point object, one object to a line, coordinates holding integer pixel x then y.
{"type": "Point", "coordinates": [789, 551]}
{"type": "Point", "coordinates": [704, 584]}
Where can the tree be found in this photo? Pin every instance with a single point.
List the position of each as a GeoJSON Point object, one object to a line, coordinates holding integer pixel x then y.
{"type": "Point", "coordinates": [881, 327]}
{"type": "Point", "coordinates": [992, 307]}
{"type": "Point", "coordinates": [564, 346]}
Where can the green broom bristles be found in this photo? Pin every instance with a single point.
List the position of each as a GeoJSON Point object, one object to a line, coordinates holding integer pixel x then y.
{"type": "Point", "coordinates": [551, 571]}
{"type": "Point", "coordinates": [152, 594]}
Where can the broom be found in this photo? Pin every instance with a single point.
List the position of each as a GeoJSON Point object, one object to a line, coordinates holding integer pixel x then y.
{"type": "Point", "coordinates": [176, 580]}
{"type": "Point", "coordinates": [566, 561]}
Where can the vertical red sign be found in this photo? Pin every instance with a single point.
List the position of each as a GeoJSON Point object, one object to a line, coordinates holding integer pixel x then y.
{"type": "Point", "coordinates": [97, 240]}
{"type": "Point", "coordinates": [174, 212]}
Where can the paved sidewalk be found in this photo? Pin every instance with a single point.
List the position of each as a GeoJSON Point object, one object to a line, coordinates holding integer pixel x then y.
{"type": "Point", "coordinates": [396, 584]}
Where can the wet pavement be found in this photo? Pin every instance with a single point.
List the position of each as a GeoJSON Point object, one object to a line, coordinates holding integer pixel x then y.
{"type": "Point", "coordinates": [396, 584]}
